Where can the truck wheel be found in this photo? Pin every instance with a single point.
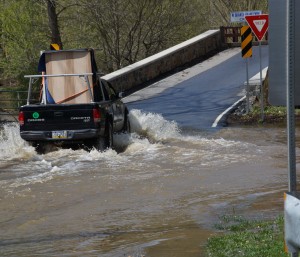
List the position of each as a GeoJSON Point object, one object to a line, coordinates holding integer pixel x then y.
{"type": "Point", "coordinates": [106, 142]}
{"type": "Point", "coordinates": [109, 136]}
{"type": "Point", "coordinates": [40, 148]}
{"type": "Point", "coordinates": [127, 127]}
{"type": "Point", "coordinates": [100, 144]}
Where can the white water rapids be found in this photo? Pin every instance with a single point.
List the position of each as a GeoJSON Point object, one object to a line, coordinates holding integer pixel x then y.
{"type": "Point", "coordinates": [151, 139]}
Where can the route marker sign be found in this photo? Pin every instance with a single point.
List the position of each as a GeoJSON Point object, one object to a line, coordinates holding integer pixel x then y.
{"type": "Point", "coordinates": [259, 24]}
{"type": "Point", "coordinates": [240, 16]}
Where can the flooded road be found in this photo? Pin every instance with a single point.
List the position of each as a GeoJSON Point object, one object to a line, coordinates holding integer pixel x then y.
{"type": "Point", "coordinates": [159, 193]}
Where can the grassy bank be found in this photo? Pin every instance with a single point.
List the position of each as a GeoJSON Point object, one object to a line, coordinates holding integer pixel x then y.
{"type": "Point", "coordinates": [272, 115]}
{"type": "Point", "coordinates": [241, 237]}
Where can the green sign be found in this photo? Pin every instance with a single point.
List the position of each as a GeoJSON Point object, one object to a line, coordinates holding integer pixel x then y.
{"type": "Point", "coordinates": [35, 115]}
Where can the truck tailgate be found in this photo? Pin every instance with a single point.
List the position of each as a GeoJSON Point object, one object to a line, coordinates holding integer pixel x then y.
{"type": "Point", "coordinates": [61, 122]}
{"type": "Point", "coordinates": [58, 117]}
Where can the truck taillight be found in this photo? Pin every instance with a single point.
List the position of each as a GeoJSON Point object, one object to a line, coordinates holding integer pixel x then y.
{"type": "Point", "coordinates": [21, 118]}
{"type": "Point", "coordinates": [96, 115]}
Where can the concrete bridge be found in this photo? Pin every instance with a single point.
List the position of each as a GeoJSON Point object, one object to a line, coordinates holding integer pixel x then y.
{"type": "Point", "coordinates": [186, 53]}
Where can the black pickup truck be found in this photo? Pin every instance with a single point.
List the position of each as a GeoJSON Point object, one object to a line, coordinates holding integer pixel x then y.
{"type": "Point", "coordinates": [76, 106]}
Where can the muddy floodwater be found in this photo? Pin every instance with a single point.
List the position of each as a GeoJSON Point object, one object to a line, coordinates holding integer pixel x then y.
{"type": "Point", "coordinates": [159, 193]}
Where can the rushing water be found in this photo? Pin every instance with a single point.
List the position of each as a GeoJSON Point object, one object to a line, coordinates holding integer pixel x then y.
{"type": "Point", "coordinates": [158, 193]}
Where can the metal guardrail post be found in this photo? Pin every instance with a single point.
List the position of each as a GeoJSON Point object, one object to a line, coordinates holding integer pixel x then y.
{"type": "Point", "coordinates": [18, 97]}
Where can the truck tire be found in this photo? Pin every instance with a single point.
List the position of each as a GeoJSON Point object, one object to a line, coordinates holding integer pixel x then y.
{"type": "Point", "coordinates": [106, 142]}
{"type": "Point", "coordinates": [40, 147]}
{"type": "Point", "coordinates": [126, 127]}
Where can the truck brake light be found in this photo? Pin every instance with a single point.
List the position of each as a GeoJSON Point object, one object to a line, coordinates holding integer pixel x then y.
{"type": "Point", "coordinates": [21, 118]}
{"type": "Point", "coordinates": [96, 115]}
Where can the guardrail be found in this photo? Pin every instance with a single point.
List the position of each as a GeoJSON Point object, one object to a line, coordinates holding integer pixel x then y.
{"type": "Point", "coordinates": [11, 100]}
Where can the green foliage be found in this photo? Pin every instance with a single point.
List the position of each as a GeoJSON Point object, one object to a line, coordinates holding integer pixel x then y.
{"type": "Point", "coordinates": [23, 36]}
{"type": "Point", "coordinates": [274, 111]}
{"type": "Point", "coordinates": [248, 238]}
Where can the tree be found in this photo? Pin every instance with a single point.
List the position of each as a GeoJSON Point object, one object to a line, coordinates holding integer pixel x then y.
{"type": "Point", "coordinates": [129, 30]}
{"type": "Point", "coordinates": [221, 9]}
{"type": "Point", "coordinates": [23, 35]}
{"type": "Point", "coordinates": [53, 23]}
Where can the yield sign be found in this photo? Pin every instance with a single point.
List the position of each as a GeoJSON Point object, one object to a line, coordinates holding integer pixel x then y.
{"type": "Point", "coordinates": [259, 24]}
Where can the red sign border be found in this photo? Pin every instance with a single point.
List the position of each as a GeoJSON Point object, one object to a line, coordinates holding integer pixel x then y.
{"type": "Point", "coordinates": [250, 20]}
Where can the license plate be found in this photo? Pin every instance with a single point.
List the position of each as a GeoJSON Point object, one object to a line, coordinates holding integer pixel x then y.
{"type": "Point", "coordinates": [60, 134]}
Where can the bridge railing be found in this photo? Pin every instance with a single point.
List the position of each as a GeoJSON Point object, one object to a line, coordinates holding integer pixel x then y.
{"type": "Point", "coordinates": [137, 75]}
{"type": "Point", "coordinates": [231, 37]}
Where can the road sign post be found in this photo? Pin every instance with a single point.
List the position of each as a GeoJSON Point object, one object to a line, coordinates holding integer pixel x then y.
{"type": "Point", "coordinates": [291, 99]}
{"type": "Point", "coordinates": [261, 86]}
{"type": "Point", "coordinates": [259, 25]}
{"type": "Point", "coordinates": [291, 216]}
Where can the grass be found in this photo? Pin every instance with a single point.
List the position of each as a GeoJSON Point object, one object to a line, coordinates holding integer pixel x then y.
{"type": "Point", "coordinates": [272, 114]}
{"type": "Point", "coordinates": [242, 237]}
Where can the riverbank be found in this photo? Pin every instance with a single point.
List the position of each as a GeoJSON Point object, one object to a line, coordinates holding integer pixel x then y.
{"type": "Point", "coordinates": [248, 238]}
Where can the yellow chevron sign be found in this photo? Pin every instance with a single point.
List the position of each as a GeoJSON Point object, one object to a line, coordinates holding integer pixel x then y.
{"type": "Point", "coordinates": [54, 47]}
{"type": "Point", "coordinates": [246, 44]}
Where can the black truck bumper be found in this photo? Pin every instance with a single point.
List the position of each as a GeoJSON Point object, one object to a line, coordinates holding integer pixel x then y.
{"type": "Point", "coordinates": [62, 135]}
